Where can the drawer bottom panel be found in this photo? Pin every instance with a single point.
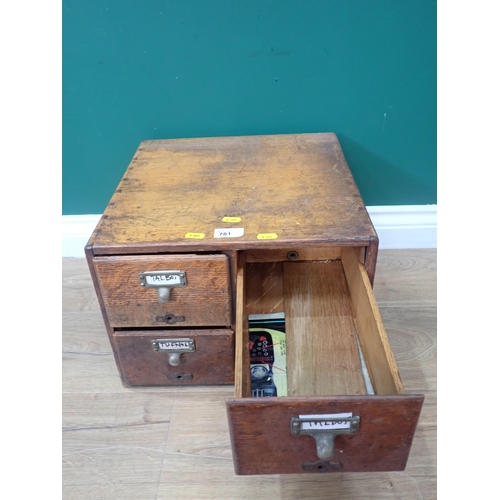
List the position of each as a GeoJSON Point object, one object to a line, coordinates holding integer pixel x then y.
{"type": "Point", "coordinates": [143, 361]}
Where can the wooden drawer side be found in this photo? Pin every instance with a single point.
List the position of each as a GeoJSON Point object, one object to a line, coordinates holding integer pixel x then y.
{"type": "Point", "coordinates": [242, 360]}
{"type": "Point", "coordinates": [372, 336]}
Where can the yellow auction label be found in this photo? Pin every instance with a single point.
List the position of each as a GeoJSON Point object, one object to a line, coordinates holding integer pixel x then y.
{"type": "Point", "coordinates": [231, 219]}
{"type": "Point", "coordinates": [267, 236]}
{"type": "Point", "coordinates": [196, 236]}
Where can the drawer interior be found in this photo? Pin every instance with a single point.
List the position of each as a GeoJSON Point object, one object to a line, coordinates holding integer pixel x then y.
{"type": "Point", "coordinates": [336, 343]}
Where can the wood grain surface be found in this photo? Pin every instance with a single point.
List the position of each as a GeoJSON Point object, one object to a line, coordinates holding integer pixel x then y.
{"type": "Point", "coordinates": [264, 288]}
{"type": "Point", "coordinates": [322, 351]}
{"type": "Point", "coordinates": [253, 177]}
{"type": "Point", "coordinates": [141, 365]}
{"type": "Point", "coordinates": [370, 326]}
{"type": "Point", "coordinates": [129, 305]}
{"type": "Point", "coordinates": [294, 254]}
{"type": "Point", "coordinates": [263, 443]}
{"type": "Point", "coordinates": [173, 442]}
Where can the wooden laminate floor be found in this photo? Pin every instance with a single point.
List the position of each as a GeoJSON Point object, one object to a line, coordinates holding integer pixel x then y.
{"type": "Point", "coordinates": [173, 443]}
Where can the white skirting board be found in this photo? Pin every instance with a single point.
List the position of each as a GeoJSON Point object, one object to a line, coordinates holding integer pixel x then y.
{"type": "Point", "coordinates": [399, 226]}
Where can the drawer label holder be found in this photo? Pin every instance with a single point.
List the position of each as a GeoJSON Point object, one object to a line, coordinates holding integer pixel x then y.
{"type": "Point", "coordinates": [163, 281]}
{"type": "Point", "coordinates": [324, 429]}
{"type": "Point", "coordinates": [173, 348]}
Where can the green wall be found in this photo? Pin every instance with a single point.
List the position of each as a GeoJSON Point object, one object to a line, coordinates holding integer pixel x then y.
{"type": "Point", "coordinates": [151, 69]}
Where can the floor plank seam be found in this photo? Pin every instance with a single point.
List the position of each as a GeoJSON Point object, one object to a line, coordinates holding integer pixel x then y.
{"type": "Point", "coordinates": [106, 448]}
{"type": "Point", "coordinates": [414, 480]}
{"type": "Point", "coordinates": [165, 444]}
{"type": "Point", "coordinates": [89, 353]}
{"type": "Point", "coordinates": [121, 426]}
{"type": "Point", "coordinates": [196, 456]}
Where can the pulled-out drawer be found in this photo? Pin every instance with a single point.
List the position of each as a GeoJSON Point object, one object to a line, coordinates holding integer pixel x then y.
{"type": "Point", "coordinates": [165, 290]}
{"type": "Point", "coordinates": [175, 357]}
{"type": "Point", "coordinates": [346, 408]}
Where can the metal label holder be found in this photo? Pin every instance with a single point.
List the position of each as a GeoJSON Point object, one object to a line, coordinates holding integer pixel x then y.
{"type": "Point", "coordinates": [173, 348]}
{"type": "Point", "coordinates": [324, 430]}
{"type": "Point", "coordinates": [163, 281]}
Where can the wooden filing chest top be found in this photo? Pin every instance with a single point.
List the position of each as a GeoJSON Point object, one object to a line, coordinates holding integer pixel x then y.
{"type": "Point", "coordinates": [296, 188]}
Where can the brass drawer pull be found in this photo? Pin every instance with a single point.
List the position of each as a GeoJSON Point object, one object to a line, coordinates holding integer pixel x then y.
{"type": "Point", "coordinates": [173, 348]}
{"type": "Point", "coordinates": [324, 429]}
{"type": "Point", "coordinates": [163, 281]}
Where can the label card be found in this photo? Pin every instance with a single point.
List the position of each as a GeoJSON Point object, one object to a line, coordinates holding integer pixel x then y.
{"type": "Point", "coordinates": [324, 423]}
{"type": "Point", "coordinates": [232, 232]}
{"type": "Point", "coordinates": [170, 345]}
{"type": "Point", "coordinates": [166, 279]}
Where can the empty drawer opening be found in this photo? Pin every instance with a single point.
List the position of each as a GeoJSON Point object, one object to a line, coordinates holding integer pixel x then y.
{"type": "Point", "coordinates": [335, 340]}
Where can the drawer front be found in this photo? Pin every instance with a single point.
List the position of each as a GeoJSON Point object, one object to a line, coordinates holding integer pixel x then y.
{"type": "Point", "coordinates": [263, 442]}
{"type": "Point", "coordinates": [175, 357]}
{"type": "Point", "coordinates": [196, 291]}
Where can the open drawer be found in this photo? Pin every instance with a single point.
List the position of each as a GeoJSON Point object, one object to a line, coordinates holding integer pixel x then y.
{"type": "Point", "coordinates": [346, 408]}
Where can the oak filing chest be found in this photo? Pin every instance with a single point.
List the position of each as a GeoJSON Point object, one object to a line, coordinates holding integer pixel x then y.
{"type": "Point", "coordinates": [203, 234]}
